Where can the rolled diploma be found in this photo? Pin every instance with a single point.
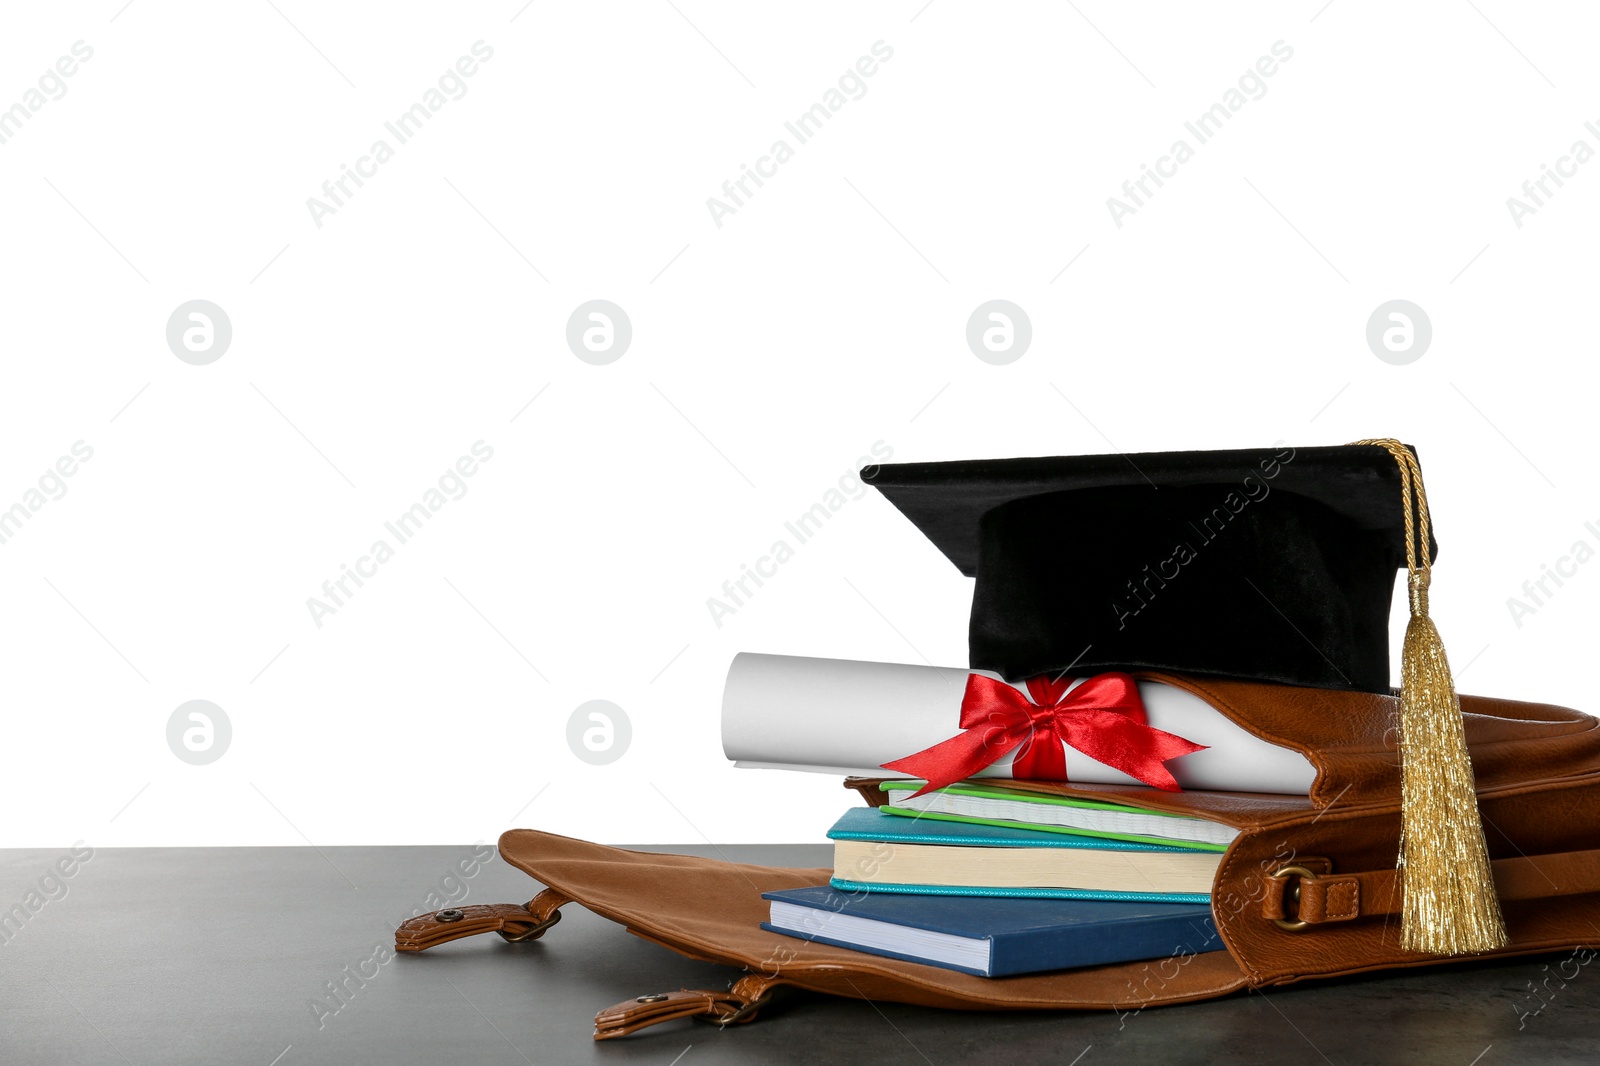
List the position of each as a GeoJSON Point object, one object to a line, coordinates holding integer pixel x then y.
{"type": "Point", "coordinates": [839, 716]}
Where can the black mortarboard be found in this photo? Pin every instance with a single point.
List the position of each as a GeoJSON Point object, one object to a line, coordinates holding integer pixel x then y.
{"type": "Point", "coordinates": [1275, 564]}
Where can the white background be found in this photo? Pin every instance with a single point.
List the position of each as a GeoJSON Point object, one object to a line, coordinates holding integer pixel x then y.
{"type": "Point", "coordinates": [768, 356]}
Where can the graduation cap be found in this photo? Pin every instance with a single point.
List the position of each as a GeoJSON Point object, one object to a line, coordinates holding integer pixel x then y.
{"type": "Point", "coordinates": [1272, 564]}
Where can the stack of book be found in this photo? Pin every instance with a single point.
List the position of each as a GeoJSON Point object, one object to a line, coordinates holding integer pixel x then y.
{"type": "Point", "coordinates": [994, 881]}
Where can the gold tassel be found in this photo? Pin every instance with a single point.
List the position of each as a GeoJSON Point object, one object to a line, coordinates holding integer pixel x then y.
{"type": "Point", "coordinates": [1450, 906]}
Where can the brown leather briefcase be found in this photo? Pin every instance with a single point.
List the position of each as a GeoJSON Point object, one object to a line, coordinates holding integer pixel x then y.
{"type": "Point", "coordinates": [1308, 889]}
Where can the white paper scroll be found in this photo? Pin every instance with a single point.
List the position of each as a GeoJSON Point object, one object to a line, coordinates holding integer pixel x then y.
{"type": "Point", "coordinates": [838, 716]}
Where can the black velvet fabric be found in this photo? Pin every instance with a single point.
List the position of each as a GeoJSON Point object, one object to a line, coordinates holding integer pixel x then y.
{"type": "Point", "coordinates": [1276, 564]}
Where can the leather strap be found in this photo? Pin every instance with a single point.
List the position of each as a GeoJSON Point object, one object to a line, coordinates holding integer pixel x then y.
{"type": "Point", "coordinates": [515, 922]}
{"type": "Point", "coordinates": [1343, 897]}
{"type": "Point", "coordinates": [735, 1006]}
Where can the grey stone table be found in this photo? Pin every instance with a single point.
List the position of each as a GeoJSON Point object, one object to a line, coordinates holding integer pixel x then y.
{"type": "Point", "coordinates": [229, 955]}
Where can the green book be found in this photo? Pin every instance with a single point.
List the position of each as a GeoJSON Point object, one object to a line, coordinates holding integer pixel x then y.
{"type": "Point", "coordinates": [988, 805]}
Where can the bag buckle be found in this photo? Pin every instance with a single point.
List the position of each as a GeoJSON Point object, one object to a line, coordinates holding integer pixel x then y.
{"type": "Point", "coordinates": [1293, 924]}
{"type": "Point", "coordinates": [722, 1021]}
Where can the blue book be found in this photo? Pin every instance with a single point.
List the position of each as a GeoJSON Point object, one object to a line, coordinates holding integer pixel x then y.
{"type": "Point", "coordinates": [993, 937]}
{"type": "Point", "coordinates": [878, 852]}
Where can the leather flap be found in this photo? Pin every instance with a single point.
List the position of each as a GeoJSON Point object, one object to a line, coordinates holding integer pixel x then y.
{"type": "Point", "coordinates": [711, 910]}
{"type": "Point", "coordinates": [1352, 737]}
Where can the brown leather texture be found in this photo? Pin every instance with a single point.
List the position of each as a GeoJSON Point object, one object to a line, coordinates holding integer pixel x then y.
{"type": "Point", "coordinates": [1538, 779]}
{"type": "Point", "coordinates": [513, 921]}
{"type": "Point", "coordinates": [1350, 737]}
{"type": "Point", "coordinates": [733, 1007]}
{"type": "Point", "coordinates": [1324, 897]}
{"type": "Point", "coordinates": [1541, 836]}
{"type": "Point", "coordinates": [712, 910]}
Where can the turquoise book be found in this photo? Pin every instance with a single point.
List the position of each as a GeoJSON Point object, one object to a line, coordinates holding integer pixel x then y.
{"type": "Point", "coordinates": [874, 851]}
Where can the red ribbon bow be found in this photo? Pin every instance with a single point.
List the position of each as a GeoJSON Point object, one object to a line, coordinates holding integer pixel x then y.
{"type": "Point", "coordinates": [1104, 718]}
